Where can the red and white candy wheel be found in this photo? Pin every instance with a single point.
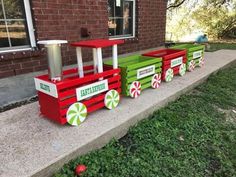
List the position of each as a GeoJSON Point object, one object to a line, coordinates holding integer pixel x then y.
{"type": "Point", "coordinates": [191, 65]}
{"type": "Point", "coordinates": [135, 89]}
{"type": "Point", "coordinates": [156, 81]}
{"type": "Point", "coordinates": [201, 62]}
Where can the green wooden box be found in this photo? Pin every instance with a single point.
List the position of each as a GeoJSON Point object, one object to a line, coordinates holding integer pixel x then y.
{"type": "Point", "coordinates": [195, 54]}
{"type": "Point", "coordinates": [139, 69]}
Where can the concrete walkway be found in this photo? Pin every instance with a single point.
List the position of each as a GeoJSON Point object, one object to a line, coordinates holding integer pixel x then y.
{"type": "Point", "coordinates": [33, 146]}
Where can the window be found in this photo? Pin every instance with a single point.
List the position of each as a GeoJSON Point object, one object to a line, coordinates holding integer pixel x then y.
{"type": "Point", "coordinates": [121, 22]}
{"type": "Point", "coordinates": [16, 28]}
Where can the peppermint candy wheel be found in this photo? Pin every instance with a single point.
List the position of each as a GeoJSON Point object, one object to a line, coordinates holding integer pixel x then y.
{"type": "Point", "coordinates": [182, 69]}
{"type": "Point", "coordinates": [169, 75]}
{"type": "Point", "coordinates": [135, 89]}
{"type": "Point", "coordinates": [191, 65]}
{"type": "Point", "coordinates": [76, 114]}
{"type": "Point", "coordinates": [156, 81]}
{"type": "Point", "coordinates": [112, 99]}
{"type": "Point", "coordinates": [201, 62]}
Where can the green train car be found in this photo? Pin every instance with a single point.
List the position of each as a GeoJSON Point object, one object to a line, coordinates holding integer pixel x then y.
{"type": "Point", "coordinates": [138, 73]}
{"type": "Point", "coordinates": [195, 54]}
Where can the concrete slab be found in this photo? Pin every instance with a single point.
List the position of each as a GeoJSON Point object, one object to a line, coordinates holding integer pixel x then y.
{"type": "Point", "coordinates": [33, 146]}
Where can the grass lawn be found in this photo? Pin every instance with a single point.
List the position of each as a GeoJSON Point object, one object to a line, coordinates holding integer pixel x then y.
{"type": "Point", "coordinates": [218, 46]}
{"type": "Point", "coordinates": [194, 136]}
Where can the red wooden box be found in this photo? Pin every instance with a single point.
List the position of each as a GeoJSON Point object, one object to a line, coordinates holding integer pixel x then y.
{"type": "Point", "coordinates": [55, 98]}
{"type": "Point", "coordinates": [173, 62]}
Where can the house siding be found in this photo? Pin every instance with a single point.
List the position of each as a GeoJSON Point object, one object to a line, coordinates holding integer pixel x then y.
{"type": "Point", "coordinates": [63, 19]}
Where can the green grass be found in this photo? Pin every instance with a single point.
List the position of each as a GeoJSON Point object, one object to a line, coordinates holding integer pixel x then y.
{"type": "Point", "coordinates": [194, 136]}
{"type": "Point", "coordinates": [218, 46]}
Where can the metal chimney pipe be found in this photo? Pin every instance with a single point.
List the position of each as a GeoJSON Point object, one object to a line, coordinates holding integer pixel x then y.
{"type": "Point", "coordinates": [54, 58]}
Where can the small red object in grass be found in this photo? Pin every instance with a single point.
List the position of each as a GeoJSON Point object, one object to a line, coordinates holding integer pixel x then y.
{"type": "Point", "coordinates": [80, 169]}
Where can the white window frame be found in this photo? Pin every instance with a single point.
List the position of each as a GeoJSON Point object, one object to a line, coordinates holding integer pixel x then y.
{"type": "Point", "coordinates": [134, 25]}
{"type": "Point", "coordinates": [31, 30]}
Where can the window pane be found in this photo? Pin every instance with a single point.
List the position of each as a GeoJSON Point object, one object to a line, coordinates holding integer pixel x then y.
{"type": "Point", "coordinates": [13, 25]}
{"type": "Point", "coordinates": [14, 9]}
{"type": "Point", "coordinates": [1, 11]}
{"type": "Point", "coordinates": [119, 11]}
{"type": "Point", "coordinates": [111, 27]}
{"type": "Point", "coordinates": [121, 18]}
{"type": "Point", "coordinates": [111, 12]}
{"type": "Point", "coordinates": [119, 28]}
{"type": "Point", "coordinates": [129, 27]}
{"type": "Point", "coordinates": [128, 20]}
{"type": "Point", "coordinates": [18, 33]}
{"type": "Point", "coordinates": [3, 35]}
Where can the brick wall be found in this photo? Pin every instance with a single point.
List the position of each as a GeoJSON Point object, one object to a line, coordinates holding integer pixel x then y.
{"type": "Point", "coordinates": [63, 19]}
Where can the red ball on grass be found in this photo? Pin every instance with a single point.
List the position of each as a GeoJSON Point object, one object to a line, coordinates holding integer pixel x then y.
{"type": "Point", "coordinates": [80, 169]}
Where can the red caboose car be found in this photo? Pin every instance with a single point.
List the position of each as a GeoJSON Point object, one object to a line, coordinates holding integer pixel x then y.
{"type": "Point", "coordinates": [173, 62]}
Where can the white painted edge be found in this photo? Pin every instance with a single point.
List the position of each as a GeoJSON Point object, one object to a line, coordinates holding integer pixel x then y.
{"type": "Point", "coordinates": [52, 42]}
{"type": "Point", "coordinates": [30, 23]}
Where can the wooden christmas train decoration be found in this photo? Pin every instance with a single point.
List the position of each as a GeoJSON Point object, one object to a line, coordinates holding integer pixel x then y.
{"type": "Point", "coordinates": [68, 96]}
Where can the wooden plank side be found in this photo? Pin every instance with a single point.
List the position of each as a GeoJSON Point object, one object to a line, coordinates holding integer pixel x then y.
{"type": "Point", "coordinates": [141, 59]}
{"type": "Point", "coordinates": [142, 81]}
{"type": "Point", "coordinates": [79, 81]}
{"type": "Point", "coordinates": [96, 107]}
{"type": "Point", "coordinates": [167, 64]}
{"type": "Point", "coordinates": [73, 99]}
{"type": "Point", "coordinates": [134, 72]}
{"type": "Point", "coordinates": [176, 71]}
{"type": "Point", "coordinates": [123, 60]}
{"type": "Point", "coordinates": [72, 91]}
{"type": "Point", "coordinates": [144, 85]}
{"type": "Point", "coordinates": [91, 103]}
{"type": "Point", "coordinates": [134, 78]}
{"type": "Point", "coordinates": [196, 48]}
{"type": "Point", "coordinates": [75, 70]}
{"type": "Point", "coordinates": [189, 47]}
{"type": "Point", "coordinates": [182, 53]}
{"type": "Point", "coordinates": [47, 102]}
{"type": "Point", "coordinates": [142, 64]}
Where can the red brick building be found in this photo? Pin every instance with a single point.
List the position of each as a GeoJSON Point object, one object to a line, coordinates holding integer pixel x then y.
{"type": "Point", "coordinates": [23, 22]}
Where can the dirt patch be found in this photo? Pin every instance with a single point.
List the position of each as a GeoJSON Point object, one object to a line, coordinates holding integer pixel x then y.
{"type": "Point", "coordinates": [128, 143]}
{"type": "Point", "coordinates": [230, 115]}
{"type": "Point", "coordinates": [18, 104]}
{"type": "Point", "coordinates": [214, 166]}
{"type": "Point", "coordinates": [194, 92]}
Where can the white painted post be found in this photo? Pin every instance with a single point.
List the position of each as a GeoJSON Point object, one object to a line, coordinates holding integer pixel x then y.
{"type": "Point", "coordinates": [100, 65]}
{"type": "Point", "coordinates": [95, 60]}
{"type": "Point", "coordinates": [115, 56]}
{"type": "Point", "coordinates": [80, 62]}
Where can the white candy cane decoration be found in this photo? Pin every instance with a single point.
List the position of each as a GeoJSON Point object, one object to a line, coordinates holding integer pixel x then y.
{"type": "Point", "coordinates": [156, 81]}
{"type": "Point", "coordinates": [191, 65]}
{"type": "Point", "coordinates": [135, 89]}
